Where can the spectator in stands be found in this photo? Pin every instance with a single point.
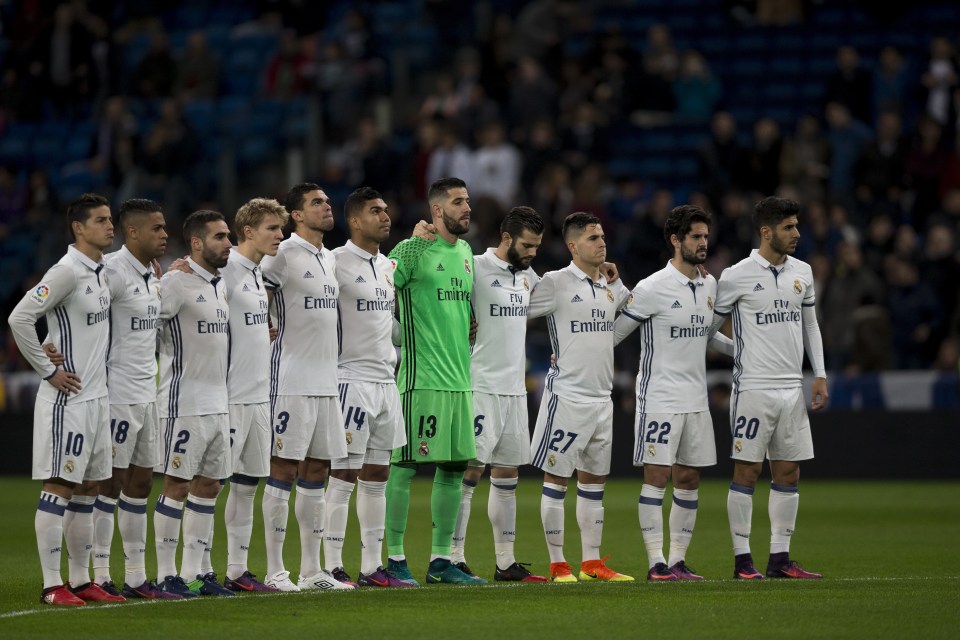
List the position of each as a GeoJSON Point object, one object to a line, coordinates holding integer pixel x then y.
{"type": "Point", "coordinates": [915, 314]}
{"type": "Point", "coordinates": [660, 64]}
{"type": "Point", "coordinates": [532, 96]}
{"type": "Point", "coordinates": [938, 82]}
{"type": "Point", "coordinates": [890, 83]}
{"type": "Point", "coordinates": [114, 143]}
{"type": "Point", "coordinates": [63, 61]}
{"type": "Point", "coordinates": [443, 102]}
{"type": "Point", "coordinates": [197, 70]}
{"type": "Point", "coordinates": [542, 148]}
{"type": "Point", "coordinates": [805, 162]}
{"type": "Point", "coordinates": [498, 166]}
{"type": "Point", "coordinates": [950, 179]}
{"type": "Point", "coordinates": [846, 138]}
{"type": "Point", "coordinates": [13, 200]}
{"type": "Point", "coordinates": [879, 241]}
{"type": "Point", "coordinates": [370, 158]}
{"type": "Point", "coordinates": [759, 168]}
{"type": "Point", "coordinates": [719, 157]}
{"type": "Point", "coordinates": [818, 235]}
{"type": "Point", "coordinates": [939, 269]}
{"type": "Point", "coordinates": [288, 72]}
{"type": "Point", "coordinates": [925, 166]}
{"type": "Point", "coordinates": [696, 91]}
{"type": "Point", "coordinates": [450, 158]}
{"type": "Point", "coordinates": [881, 170]}
{"type": "Point", "coordinates": [850, 84]}
{"type": "Point", "coordinates": [584, 138]}
{"type": "Point", "coordinates": [851, 286]}
{"type": "Point", "coordinates": [156, 72]}
{"type": "Point", "coordinates": [552, 197]}
{"type": "Point", "coordinates": [476, 111]}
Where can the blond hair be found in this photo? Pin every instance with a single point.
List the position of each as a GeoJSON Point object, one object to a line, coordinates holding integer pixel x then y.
{"type": "Point", "coordinates": [253, 212]}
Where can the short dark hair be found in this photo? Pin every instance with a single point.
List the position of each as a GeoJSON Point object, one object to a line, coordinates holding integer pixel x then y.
{"type": "Point", "coordinates": [293, 201]}
{"type": "Point", "coordinates": [520, 218]}
{"type": "Point", "coordinates": [135, 206]}
{"type": "Point", "coordinates": [578, 221]}
{"type": "Point", "coordinates": [79, 209]}
{"type": "Point", "coordinates": [439, 189]}
{"type": "Point", "coordinates": [356, 200]}
{"type": "Point", "coordinates": [195, 226]}
{"type": "Point", "coordinates": [771, 211]}
{"type": "Point", "coordinates": [681, 219]}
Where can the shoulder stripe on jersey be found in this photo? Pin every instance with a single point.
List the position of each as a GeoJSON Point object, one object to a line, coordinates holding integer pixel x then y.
{"type": "Point", "coordinates": [409, 340]}
{"type": "Point", "coordinates": [631, 316]}
{"type": "Point", "coordinates": [738, 351]}
{"type": "Point", "coordinates": [555, 345]}
{"type": "Point", "coordinates": [542, 446]}
{"type": "Point", "coordinates": [646, 366]}
{"type": "Point", "coordinates": [277, 352]}
{"type": "Point", "coordinates": [721, 313]}
{"type": "Point", "coordinates": [808, 304]}
{"type": "Point", "coordinates": [173, 401]}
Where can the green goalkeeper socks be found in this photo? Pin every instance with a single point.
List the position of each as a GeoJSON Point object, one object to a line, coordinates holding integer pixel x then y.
{"type": "Point", "coordinates": [398, 503]}
{"type": "Point", "coordinates": [444, 506]}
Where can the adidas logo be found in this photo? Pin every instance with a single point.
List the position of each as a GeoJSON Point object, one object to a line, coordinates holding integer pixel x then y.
{"type": "Point", "coordinates": [496, 283]}
{"type": "Point", "coordinates": [759, 287]}
{"type": "Point", "coordinates": [440, 267]}
{"type": "Point", "coordinates": [308, 275]}
{"type": "Point", "coordinates": [200, 298]}
{"type": "Point", "coordinates": [360, 280]}
{"type": "Point", "coordinates": [245, 287]}
{"type": "Point", "coordinates": [89, 290]}
{"type": "Point", "coordinates": [576, 298]}
{"type": "Point", "coordinates": [136, 290]}
{"type": "Point", "coordinates": [676, 305]}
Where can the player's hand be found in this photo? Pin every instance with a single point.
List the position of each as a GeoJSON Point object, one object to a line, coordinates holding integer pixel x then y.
{"type": "Point", "coordinates": [273, 332]}
{"type": "Point", "coordinates": [157, 269]}
{"type": "Point", "coordinates": [56, 358]}
{"type": "Point", "coordinates": [610, 272]}
{"type": "Point", "coordinates": [65, 381]}
{"type": "Point", "coordinates": [819, 394]}
{"type": "Point", "coordinates": [473, 329]}
{"type": "Point", "coordinates": [180, 264]}
{"type": "Point", "coordinates": [553, 359]}
{"type": "Point", "coordinates": [424, 230]}
{"type": "Point", "coordinates": [703, 270]}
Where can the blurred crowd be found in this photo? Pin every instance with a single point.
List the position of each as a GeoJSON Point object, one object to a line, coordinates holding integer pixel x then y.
{"type": "Point", "coordinates": [506, 105]}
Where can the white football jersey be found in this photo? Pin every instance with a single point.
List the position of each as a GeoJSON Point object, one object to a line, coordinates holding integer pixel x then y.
{"type": "Point", "coordinates": [248, 376]}
{"type": "Point", "coordinates": [766, 303]}
{"type": "Point", "coordinates": [501, 296]}
{"type": "Point", "coordinates": [303, 279]}
{"type": "Point", "coordinates": [194, 343]}
{"type": "Point", "coordinates": [580, 315]}
{"type": "Point", "coordinates": [676, 315]}
{"type": "Point", "coordinates": [134, 319]}
{"type": "Point", "coordinates": [74, 297]}
{"type": "Point", "coordinates": [366, 315]}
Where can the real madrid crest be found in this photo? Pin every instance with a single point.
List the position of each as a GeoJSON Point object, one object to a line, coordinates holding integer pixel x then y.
{"type": "Point", "coordinates": [466, 265]}
{"type": "Point", "coordinates": [797, 287]}
{"type": "Point", "coordinates": [387, 277]}
{"type": "Point", "coordinates": [551, 460]}
{"type": "Point", "coordinates": [609, 295]}
{"type": "Point", "coordinates": [349, 438]}
{"type": "Point", "coordinates": [710, 303]}
{"type": "Point", "coordinates": [279, 444]}
{"type": "Point", "coordinates": [68, 466]}
{"type": "Point", "coordinates": [526, 283]}
{"type": "Point", "coordinates": [175, 463]}
{"type": "Point", "coordinates": [114, 451]}
{"type": "Point", "coordinates": [424, 449]}
{"type": "Point", "coordinates": [651, 450]}
{"type": "Point", "coordinates": [738, 446]}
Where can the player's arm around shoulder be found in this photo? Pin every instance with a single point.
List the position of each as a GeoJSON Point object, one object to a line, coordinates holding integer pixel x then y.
{"type": "Point", "coordinates": [638, 308]}
{"type": "Point", "coordinates": [406, 259]}
{"type": "Point", "coordinates": [171, 294]}
{"type": "Point", "coordinates": [543, 298]}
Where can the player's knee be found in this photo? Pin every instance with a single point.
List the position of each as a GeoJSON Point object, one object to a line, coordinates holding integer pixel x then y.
{"type": "Point", "coordinates": [283, 470]}
{"type": "Point", "coordinates": [656, 475]}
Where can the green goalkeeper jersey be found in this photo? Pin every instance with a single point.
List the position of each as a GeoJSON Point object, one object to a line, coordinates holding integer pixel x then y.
{"type": "Point", "coordinates": [434, 281]}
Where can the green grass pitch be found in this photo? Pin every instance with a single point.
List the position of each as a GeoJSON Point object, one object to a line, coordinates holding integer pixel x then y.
{"type": "Point", "coordinates": [888, 551]}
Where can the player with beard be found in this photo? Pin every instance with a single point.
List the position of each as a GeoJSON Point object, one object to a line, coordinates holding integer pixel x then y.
{"type": "Point", "coordinates": [673, 429]}
{"type": "Point", "coordinates": [434, 282]}
{"type": "Point", "coordinates": [770, 298]}
{"type": "Point", "coordinates": [193, 405]}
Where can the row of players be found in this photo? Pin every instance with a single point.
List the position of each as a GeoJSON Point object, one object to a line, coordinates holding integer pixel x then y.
{"type": "Point", "coordinates": [332, 363]}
